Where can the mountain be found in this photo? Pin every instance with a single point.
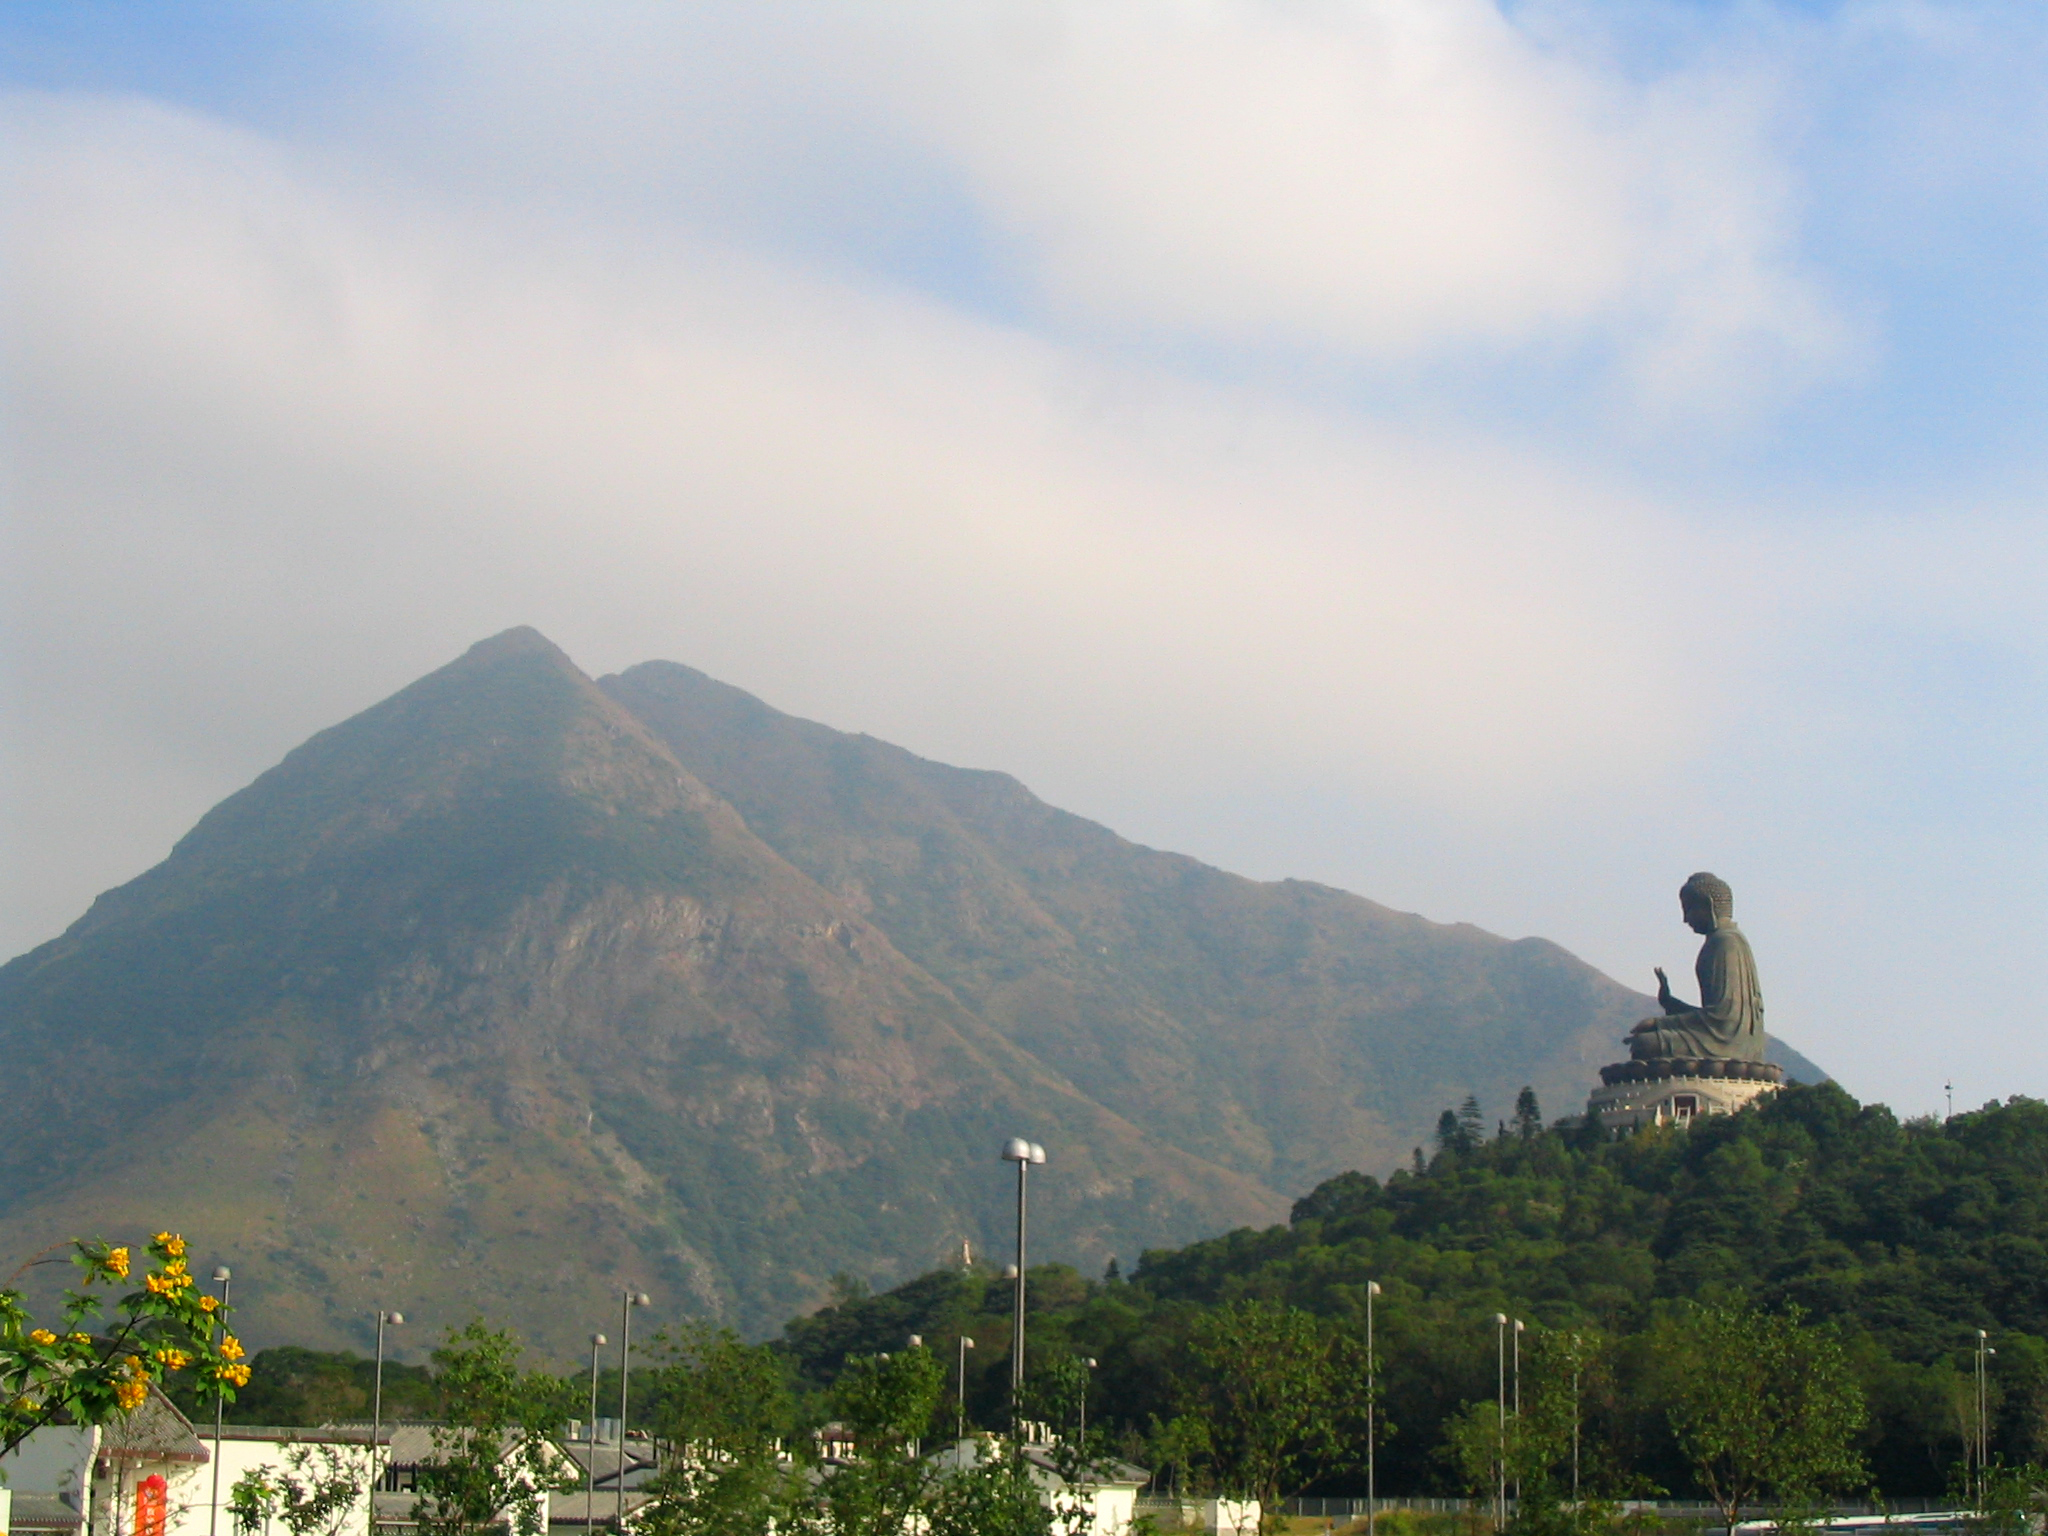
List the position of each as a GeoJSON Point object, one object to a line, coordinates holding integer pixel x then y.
{"type": "Point", "coordinates": [516, 987]}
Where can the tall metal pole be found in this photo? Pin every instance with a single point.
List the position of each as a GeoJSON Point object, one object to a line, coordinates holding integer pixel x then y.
{"type": "Point", "coordinates": [1500, 1466]}
{"type": "Point", "coordinates": [1577, 1365]}
{"type": "Point", "coordinates": [1017, 1295]}
{"type": "Point", "coordinates": [377, 1415]}
{"type": "Point", "coordinates": [960, 1419]}
{"type": "Point", "coordinates": [1023, 1153]}
{"type": "Point", "coordinates": [1372, 1404]}
{"type": "Point", "coordinates": [628, 1300]}
{"type": "Point", "coordinates": [1519, 1325]}
{"type": "Point", "coordinates": [597, 1342]}
{"type": "Point", "coordinates": [222, 1276]}
{"type": "Point", "coordinates": [1087, 1369]}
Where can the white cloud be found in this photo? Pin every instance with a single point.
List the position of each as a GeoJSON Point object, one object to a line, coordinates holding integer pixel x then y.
{"type": "Point", "coordinates": [1368, 181]}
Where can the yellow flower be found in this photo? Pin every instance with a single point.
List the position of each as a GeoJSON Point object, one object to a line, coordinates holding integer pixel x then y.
{"type": "Point", "coordinates": [237, 1374]}
{"type": "Point", "coordinates": [23, 1405]}
{"type": "Point", "coordinates": [79, 1338]}
{"type": "Point", "coordinates": [129, 1394]}
{"type": "Point", "coordinates": [209, 1303]}
{"type": "Point", "coordinates": [173, 1359]}
{"type": "Point", "coordinates": [172, 1244]}
{"type": "Point", "coordinates": [231, 1347]}
{"type": "Point", "coordinates": [117, 1262]}
{"type": "Point", "coordinates": [42, 1336]}
{"type": "Point", "coordinates": [169, 1282]}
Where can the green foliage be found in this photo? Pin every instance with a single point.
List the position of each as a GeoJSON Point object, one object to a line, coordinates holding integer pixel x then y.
{"type": "Point", "coordinates": [996, 1497]}
{"type": "Point", "coordinates": [316, 1493]}
{"type": "Point", "coordinates": [1906, 1237]}
{"type": "Point", "coordinates": [1268, 1384]}
{"type": "Point", "coordinates": [725, 1407]}
{"type": "Point", "coordinates": [1759, 1403]}
{"type": "Point", "coordinates": [93, 1367]}
{"type": "Point", "coordinates": [491, 1461]}
{"type": "Point", "coordinates": [889, 1400]}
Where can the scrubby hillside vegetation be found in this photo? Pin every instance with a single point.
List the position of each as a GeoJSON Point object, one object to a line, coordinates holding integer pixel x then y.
{"type": "Point", "coordinates": [1901, 1240]}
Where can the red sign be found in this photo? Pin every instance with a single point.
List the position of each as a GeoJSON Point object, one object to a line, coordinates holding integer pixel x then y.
{"type": "Point", "coordinates": [152, 1506]}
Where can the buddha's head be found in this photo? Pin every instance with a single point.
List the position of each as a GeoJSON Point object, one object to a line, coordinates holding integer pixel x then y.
{"type": "Point", "coordinates": [1706, 901]}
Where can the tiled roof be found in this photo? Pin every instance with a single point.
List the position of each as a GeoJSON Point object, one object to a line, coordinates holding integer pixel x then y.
{"type": "Point", "coordinates": [154, 1432]}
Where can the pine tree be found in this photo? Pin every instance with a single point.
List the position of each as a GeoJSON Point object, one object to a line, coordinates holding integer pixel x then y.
{"type": "Point", "coordinates": [1471, 1123]}
{"type": "Point", "coordinates": [1528, 1114]}
{"type": "Point", "coordinates": [1450, 1136]}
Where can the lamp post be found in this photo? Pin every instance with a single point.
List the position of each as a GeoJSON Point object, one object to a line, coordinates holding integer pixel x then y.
{"type": "Point", "coordinates": [628, 1300]}
{"type": "Point", "coordinates": [1984, 1354]}
{"type": "Point", "coordinates": [1519, 1326]}
{"type": "Point", "coordinates": [1372, 1289]}
{"type": "Point", "coordinates": [1578, 1364]}
{"type": "Point", "coordinates": [1087, 1366]}
{"type": "Point", "coordinates": [384, 1320]}
{"type": "Point", "coordinates": [1024, 1154]}
{"type": "Point", "coordinates": [222, 1275]}
{"type": "Point", "coordinates": [960, 1420]}
{"type": "Point", "coordinates": [1500, 1465]}
{"type": "Point", "coordinates": [597, 1342]}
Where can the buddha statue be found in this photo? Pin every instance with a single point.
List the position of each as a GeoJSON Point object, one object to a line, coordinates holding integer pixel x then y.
{"type": "Point", "coordinates": [1728, 1024]}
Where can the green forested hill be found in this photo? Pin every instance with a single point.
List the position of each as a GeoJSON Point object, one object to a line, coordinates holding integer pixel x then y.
{"type": "Point", "coordinates": [1908, 1237]}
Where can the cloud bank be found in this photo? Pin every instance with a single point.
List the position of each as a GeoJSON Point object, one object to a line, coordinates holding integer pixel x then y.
{"type": "Point", "coordinates": [1054, 389]}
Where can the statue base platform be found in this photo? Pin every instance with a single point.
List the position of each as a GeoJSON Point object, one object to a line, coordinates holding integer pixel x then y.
{"type": "Point", "coordinates": [1676, 1090]}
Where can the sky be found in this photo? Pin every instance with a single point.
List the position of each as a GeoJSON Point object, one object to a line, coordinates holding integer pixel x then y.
{"type": "Point", "coordinates": [1497, 460]}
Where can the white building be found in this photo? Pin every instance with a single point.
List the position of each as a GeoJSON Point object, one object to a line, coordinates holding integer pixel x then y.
{"type": "Point", "coordinates": [1106, 1490]}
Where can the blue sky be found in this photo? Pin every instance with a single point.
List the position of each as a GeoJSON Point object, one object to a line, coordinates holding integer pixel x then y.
{"type": "Point", "coordinates": [1495, 461]}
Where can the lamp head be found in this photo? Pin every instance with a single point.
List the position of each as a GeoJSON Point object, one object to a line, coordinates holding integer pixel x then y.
{"type": "Point", "coordinates": [1037, 1153]}
{"type": "Point", "coordinates": [597, 1339]}
{"type": "Point", "coordinates": [966, 1343]}
{"type": "Point", "coordinates": [1089, 1362]}
{"type": "Point", "coordinates": [1372, 1287]}
{"type": "Point", "coordinates": [1009, 1271]}
{"type": "Point", "coordinates": [1520, 1326]}
{"type": "Point", "coordinates": [394, 1318]}
{"type": "Point", "coordinates": [222, 1274]}
{"type": "Point", "coordinates": [1500, 1319]}
{"type": "Point", "coordinates": [640, 1299]}
{"type": "Point", "coordinates": [917, 1341]}
{"type": "Point", "coordinates": [1016, 1150]}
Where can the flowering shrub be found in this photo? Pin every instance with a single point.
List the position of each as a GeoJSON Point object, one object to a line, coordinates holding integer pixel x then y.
{"type": "Point", "coordinates": [99, 1366]}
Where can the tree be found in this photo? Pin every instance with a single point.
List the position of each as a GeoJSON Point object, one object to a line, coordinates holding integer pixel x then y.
{"type": "Point", "coordinates": [887, 1401]}
{"type": "Point", "coordinates": [1528, 1114]}
{"type": "Point", "coordinates": [995, 1497]}
{"type": "Point", "coordinates": [315, 1495]}
{"type": "Point", "coordinates": [1759, 1403]}
{"type": "Point", "coordinates": [725, 1407]}
{"type": "Point", "coordinates": [1265, 1382]}
{"type": "Point", "coordinates": [82, 1374]}
{"type": "Point", "coordinates": [492, 1456]}
{"type": "Point", "coordinates": [1449, 1138]}
{"type": "Point", "coordinates": [1471, 1123]}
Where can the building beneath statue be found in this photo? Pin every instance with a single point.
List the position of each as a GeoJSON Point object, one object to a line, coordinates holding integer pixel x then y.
{"type": "Point", "coordinates": [1676, 1090]}
{"type": "Point", "coordinates": [1689, 1060]}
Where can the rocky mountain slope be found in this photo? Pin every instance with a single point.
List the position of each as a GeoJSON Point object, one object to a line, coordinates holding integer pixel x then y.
{"type": "Point", "coordinates": [516, 987]}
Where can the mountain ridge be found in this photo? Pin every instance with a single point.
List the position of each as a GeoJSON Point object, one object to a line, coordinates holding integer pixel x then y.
{"type": "Point", "coordinates": [516, 980]}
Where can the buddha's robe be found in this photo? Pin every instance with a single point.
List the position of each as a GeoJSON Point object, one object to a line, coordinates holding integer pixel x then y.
{"type": "Point", "coordinates": [1729, 1023]}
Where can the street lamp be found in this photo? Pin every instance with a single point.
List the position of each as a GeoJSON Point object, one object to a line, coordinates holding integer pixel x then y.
{"type": "Point", "coordinates": [1372, 1289]}
{"type": "Point", "coordinates": [221, 1276]}
{"type": "Point", "coordinates": [1500, 1466]}
{"type": "Point", "coordinates": [628, 1300]}
{"type": "Point", "coordinates": [1087, 1365]}
{"type": "Point", "coordinates": [1519, 1326]}
{"type": "Point", "coordinates": [960, 1423]}
{"type": "Point", "coordinates": [597, 1342]}
{"type": "Point", "coordinates": [384, 1320]}
{"type": "Point", "coordinates": [1024, 1154]}
{"type": "Point", "coordinates": [1578, 1364]}
{"type": "Point", "coordinates": [1984, 1353]}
